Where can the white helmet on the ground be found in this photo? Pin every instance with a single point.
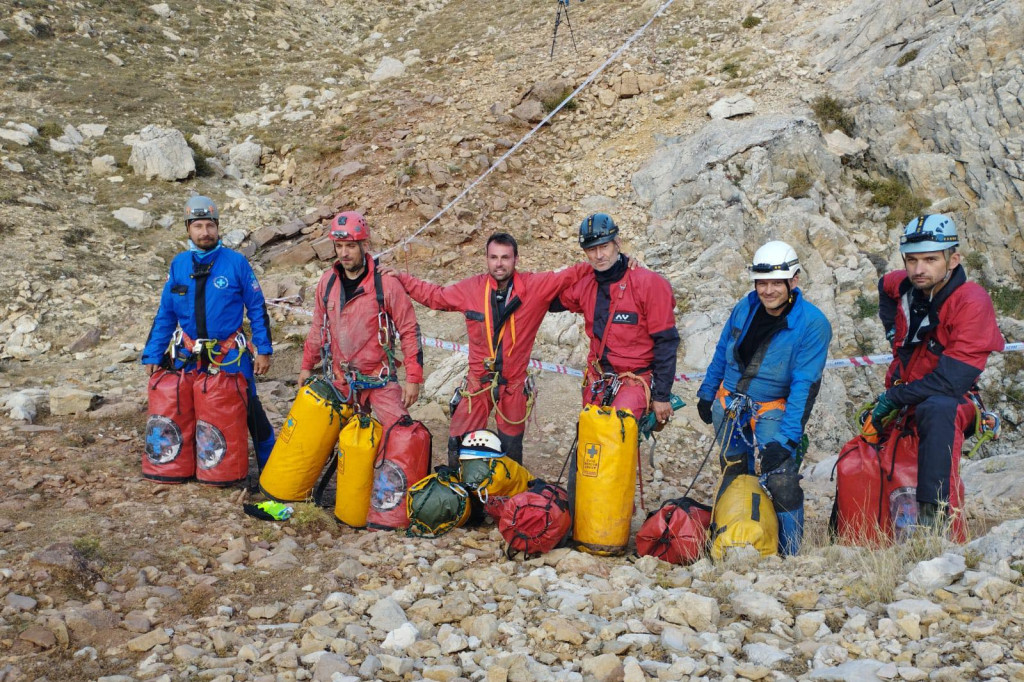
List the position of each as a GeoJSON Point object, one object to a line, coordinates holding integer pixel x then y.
{"type": "Point", "coordinates": [482, 443]}
{"type": "Point", "coordinates": [775, 260]}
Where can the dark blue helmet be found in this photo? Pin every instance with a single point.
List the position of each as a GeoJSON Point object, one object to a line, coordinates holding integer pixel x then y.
{"type": "Point", "coordinates": [597, 229]}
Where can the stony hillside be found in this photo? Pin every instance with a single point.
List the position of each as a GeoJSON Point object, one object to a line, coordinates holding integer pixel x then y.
{"type": "Point", "coordinates": [725, 124]}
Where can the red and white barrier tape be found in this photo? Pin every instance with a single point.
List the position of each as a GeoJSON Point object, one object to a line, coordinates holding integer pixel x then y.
{"type": "Point", "coordinates": [555, 368]}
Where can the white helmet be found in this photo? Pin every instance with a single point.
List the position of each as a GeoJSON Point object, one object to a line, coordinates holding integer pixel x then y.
{"type": "Point", "coordinates": [775, 260]}
{"type": "Point", "coordinates": [480, 444]}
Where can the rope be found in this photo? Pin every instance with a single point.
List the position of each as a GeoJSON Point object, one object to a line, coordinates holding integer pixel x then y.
{"type": "Point", "coordinates": [590, 79]}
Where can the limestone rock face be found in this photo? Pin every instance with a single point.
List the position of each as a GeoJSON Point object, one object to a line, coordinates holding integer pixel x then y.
{"type": "Point", "coordinates": [938, 89]}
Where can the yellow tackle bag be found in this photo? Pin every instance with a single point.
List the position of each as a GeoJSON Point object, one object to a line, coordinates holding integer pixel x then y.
{"type": "Point", "coordinates": [606, 466]}
{"type": "Point", "coordinates": [743, 515]}
{"type": "Point", "coordinates": [357, 449]}
{"type": "Point", "coordinates": [493, 480]}
{"type": "Point", "coordinates": [305, 441]}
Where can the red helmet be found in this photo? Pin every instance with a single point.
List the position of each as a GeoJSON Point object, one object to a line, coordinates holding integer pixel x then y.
{"type": "Point", "coordinates": [349, 226]}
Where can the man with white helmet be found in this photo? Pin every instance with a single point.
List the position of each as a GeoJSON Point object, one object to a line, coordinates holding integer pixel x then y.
{"type": "Point", "coordinates": [209, 291]}
{"type": "Point", "coordinates": [942, 328]}
{"type": "Point", "coordinates": [765, 375]}
{"type": "Point", "coordinates": [358, 317]}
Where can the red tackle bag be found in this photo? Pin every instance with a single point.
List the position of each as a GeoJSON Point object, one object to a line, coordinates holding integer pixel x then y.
{"type": "Point", "coordinates": [676, 533]}
{"type": "Point", "coordinates": [222, 435]}
{"type": "Point", "coordinates": [535, 521]}
{"type": "Point", "coordinates": [857, 515]}
{"type": "Point", "coordinates": [170, 455]}
{"type": "Point", "coordinates": [403, 459]}
{"type": "Point", "coordinates": [876, 489]}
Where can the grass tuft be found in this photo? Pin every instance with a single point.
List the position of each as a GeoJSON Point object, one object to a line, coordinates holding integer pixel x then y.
{"type": "Point", "coordinates": [799, 185]}
{"type": "Point", "coordinates": [907, 57]}
{"type": "Point", "coordinates": [751, 21]}
{"type": "Point", "coordinates": [832, 115]}
{"type": "Point", "coordinates": [310, 518]}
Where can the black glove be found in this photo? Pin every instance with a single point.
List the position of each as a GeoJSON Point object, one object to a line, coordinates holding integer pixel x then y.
{"type": "Point", "coordinates": [773, 456]}
{"type": "Point", "coordinates": [704, 410]}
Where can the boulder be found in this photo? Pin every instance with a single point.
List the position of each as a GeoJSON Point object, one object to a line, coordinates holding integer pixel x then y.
{"type": "Point", "coordinates": [135, 218]}
{"type": "Point", "coordinates": [65, 400]}
{"type": "Point", "coordinates": [160, 153]}
{"type": "Point", "coordinates": [389, 67]}
{"type": "Point", "coordinates": [731, 107]}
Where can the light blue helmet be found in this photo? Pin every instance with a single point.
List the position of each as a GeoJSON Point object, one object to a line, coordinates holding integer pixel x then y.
{"type": "Point", "coordinates": [201, 208]}
{"type": "Point", "coordinates": [929, 233]}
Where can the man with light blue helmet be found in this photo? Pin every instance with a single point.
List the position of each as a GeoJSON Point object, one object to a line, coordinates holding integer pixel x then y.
{"type": "Point", "coordinates": [208, 292]}
{"type": "Point", "coordinates": [942, 329]}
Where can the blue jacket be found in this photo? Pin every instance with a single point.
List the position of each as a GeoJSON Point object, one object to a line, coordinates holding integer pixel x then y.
{"type": "Point", "coordinates": [230, 291]}
{"type": "Point", "coordinates": [791, 369]}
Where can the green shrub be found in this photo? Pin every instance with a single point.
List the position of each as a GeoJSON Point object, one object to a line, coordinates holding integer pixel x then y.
{"type": "Point", "coordinates": [895, 195]}
{"type": "Point", "coordinates": [866, 308]}
{"type": "Point", "coordinates": [751, 21]}
{"type": "Point", "coordinates": [1008, 300]}
{"type": "Point", "coordinates": [831, 115]}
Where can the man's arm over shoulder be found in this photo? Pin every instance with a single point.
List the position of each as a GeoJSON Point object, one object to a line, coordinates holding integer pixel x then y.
{"type": "Point", "coordinates": [408, 330]}
{"type": "Point", "coordinates": [434, 296]}
{"type": "Point", "coordinates": [549, 284]}
{"type": "Point", "coordinates": [973, 336]}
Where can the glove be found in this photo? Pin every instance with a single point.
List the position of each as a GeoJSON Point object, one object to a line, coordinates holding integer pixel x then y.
{"type": "Point", "coordinates": [773, 456]}
{"type": "Point", "coordinates": [884, 406]}
{"type": "Point", "coordinates": [704, 410]}
{"type": "Point", "coordinates": [890, 334]}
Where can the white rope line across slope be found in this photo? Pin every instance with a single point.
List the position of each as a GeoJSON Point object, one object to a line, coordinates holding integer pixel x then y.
{"type": "Point", "coordinates": [556, 368]}
{"type": "Point", "coordinates": [544, 121]}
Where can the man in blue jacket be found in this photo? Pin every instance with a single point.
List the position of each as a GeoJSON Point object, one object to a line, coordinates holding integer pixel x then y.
{"type": "Point", "coordinates": [207, 292]}
{"type": "Point", "coordinates": [764, 377]}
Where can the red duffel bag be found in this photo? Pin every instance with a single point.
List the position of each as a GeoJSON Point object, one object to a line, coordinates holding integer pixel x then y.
{"type": "Point", "coordinates": [170, 455]}
{"type": "Point", "coordinates": [676, 533]}
{"type": "Point", "coordinates": [222, 432]}
{"type": "Point", "coordinates": [535, 521]}
{"type": "Point", "coordinates": [403, 459]}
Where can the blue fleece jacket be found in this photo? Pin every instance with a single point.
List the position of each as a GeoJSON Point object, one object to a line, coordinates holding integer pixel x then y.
{"type": "Point", "coordinates": [791, 368]}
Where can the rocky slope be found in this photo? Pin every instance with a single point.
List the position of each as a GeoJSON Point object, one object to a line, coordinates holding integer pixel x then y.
{"type": "Point", "coordinates": [288, 111]}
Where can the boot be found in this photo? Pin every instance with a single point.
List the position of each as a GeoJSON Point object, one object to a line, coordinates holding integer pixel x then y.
{"type": "Point", "coordinates": [512, 446]}
{"type": "Point", "coordinates": [930, 516]}
{"type": "Point", "coordinates": [791, 532]}
{"type": "Point", "coordinates": [454, 443]}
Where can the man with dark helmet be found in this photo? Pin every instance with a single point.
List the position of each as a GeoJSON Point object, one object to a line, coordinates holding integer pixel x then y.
{"type": "Point", "coordinates": [209, 290]}
{"type": "Point", "coordinates": [629, 316]}
{"type": "Point", "coordinates": [942, 328]}
{"type": "Point", "coordinates": [358, 318]}
{"type": "Point", "coordinates": [764, 378]}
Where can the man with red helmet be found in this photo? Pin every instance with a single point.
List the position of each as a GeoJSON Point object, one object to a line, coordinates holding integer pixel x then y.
{"type": "Point", "coordinates": [356, 321]}
{"type": "Point", "coordinates": [503, 310]}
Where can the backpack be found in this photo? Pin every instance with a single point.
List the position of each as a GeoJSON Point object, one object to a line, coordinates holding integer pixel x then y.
{"type": "Point", "coordinates": [676, 533]}
{"type": "Point", "coordinates": [535, 521]}
{"type": "Point", "coordinates": [437, 504]}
